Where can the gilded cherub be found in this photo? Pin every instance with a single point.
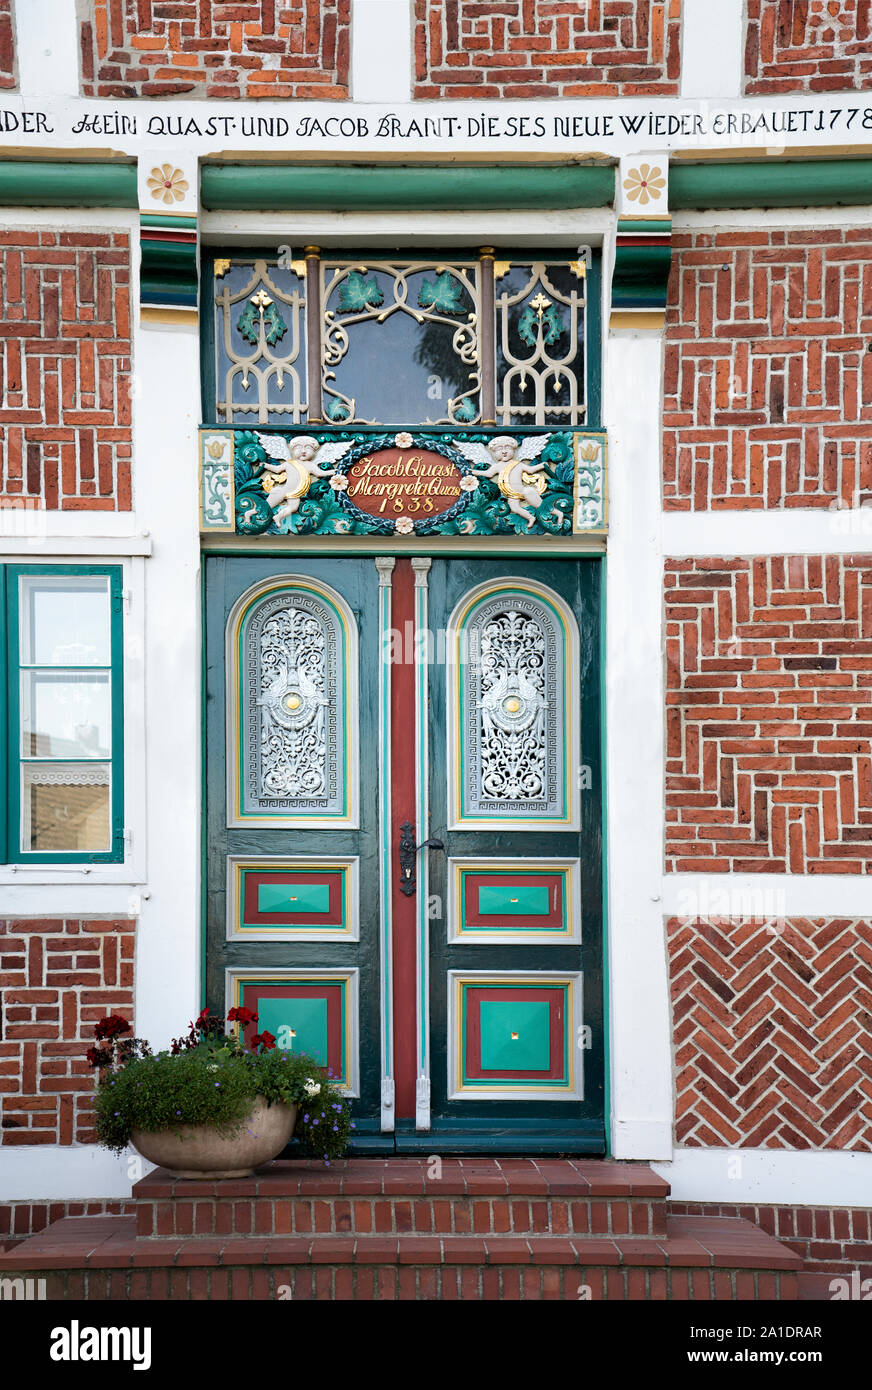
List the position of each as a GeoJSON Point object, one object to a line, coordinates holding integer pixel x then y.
{"type": "Point", "coordinates": [519, 478]}
{"type": "Point", "coordinates": [291, 465]}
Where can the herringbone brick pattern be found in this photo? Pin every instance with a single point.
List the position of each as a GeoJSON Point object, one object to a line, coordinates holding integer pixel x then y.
{"type": "Point", "coordinates": [57, 979]}
{"type": "Point", "coordinates": [536, 48]}
{"type": "Point", "coordinates": [808, 45]}
{"type": "Point", "coordinates": [7, 45]}
{"type": "Point", "coordinates": [769, 714]}
{"type": "Point", "coordinates": [768, 382]}
{"type": "Point", "coordinates": [65, 374]}
{"type": "Point", "coordinates": [772, 1032]}
{"type": "Point", "coordinates": [216, 48]}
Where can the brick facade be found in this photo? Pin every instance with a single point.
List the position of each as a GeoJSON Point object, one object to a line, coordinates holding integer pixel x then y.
{"type": "Point", "coordinates": [7, 45]}
{"type": "Point", "coordinates": [65, 370]}
{"type": "Point", "coordinates": [768, 381]}
{"type": "Point", "coordinates": [216, 48]}
{"type": "Point", "coordinates": [546, 48]}
{"type": "Point", "coordinates": [808, 45]}
{"type": "Point", "coordinates": [769, 714]}
{"type": "Point", "coordinates": [772, 1032]}
{"type": "Point", "coordinates": [57, 979]}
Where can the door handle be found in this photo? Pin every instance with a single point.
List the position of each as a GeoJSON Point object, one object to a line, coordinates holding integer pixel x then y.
{"type": "Point", "coordinates": [409, 857]}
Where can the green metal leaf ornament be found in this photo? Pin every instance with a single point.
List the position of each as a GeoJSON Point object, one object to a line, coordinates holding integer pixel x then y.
{"type": "Point", "coordinates": [444, 294]}
{"type": "Point", "coordinates": [357, 293]}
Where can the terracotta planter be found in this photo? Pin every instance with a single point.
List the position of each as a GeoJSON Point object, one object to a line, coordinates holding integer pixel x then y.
{"type": "Point", "coordinates": [198, 1151]}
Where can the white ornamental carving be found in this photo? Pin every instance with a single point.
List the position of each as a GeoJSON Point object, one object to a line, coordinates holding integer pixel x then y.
{"type": "Point", "coordinates": [512, 704]}
{"type": "Point", "coordinates": [293, 745]}
{"type": "Point", "coordinates": [293, 716]}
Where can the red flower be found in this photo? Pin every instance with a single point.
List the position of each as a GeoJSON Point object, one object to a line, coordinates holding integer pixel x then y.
{"type": "Point", "coordinates": [242, 1015]}
{"type": "Point", "coordinates": [111, 1027]}
{"type": "Point", "coordinates": [99, 1056]}
{"type": "Point", "coordinates": [264, 1040]}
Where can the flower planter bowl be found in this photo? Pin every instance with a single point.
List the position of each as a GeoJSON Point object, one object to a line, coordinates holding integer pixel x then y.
{"type": "Point", "coordinates": [199, 1151]}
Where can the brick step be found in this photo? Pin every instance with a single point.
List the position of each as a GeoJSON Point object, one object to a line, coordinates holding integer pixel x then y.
{"type": "Point", "coordinates": [701, 1258]}
{"type": "Point", "coordinates": [365, 1197]}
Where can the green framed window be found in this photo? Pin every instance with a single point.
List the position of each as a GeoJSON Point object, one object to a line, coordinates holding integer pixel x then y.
{"type": "Point", "coordinates": [62, 725]}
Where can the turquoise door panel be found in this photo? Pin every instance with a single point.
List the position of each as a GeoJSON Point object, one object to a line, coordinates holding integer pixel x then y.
{"type": "Point", "coordinates": [515, 900]}
{"type": "Point", "coordinates": [293, 897]}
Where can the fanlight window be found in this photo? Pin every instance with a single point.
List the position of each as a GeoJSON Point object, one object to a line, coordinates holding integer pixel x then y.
{"type": "Point", "coordinates": [427, 342]}
{"type": "Point", "coordinates": [514, 693]}
{"type": "Point", "coordinates": [293, 711]}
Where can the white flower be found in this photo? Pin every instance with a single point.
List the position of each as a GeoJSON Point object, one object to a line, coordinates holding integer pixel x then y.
{"type": "Point", "coordinates": [311, 1087]}
{"type": "Point", "coordinates": [404, 440]}
{"type": "Point", "coordinates": [404, 526]}
{"type": "Point", "coordinates": [469, 483]}
{"type": "Point", "coordinates": [339, 482]}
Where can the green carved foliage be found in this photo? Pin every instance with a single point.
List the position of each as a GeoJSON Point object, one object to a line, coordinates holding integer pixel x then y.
{"type": "Point", "coordinates": [274, 326]}
{"type": "Point", "coordinates": [442, 295]}
{"type": "Point", "coordinates": [357, 293]}
{"type": "Point", "coordinates": [552, 325]}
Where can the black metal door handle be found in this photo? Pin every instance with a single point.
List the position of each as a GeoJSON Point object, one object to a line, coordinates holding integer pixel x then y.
{"type": "Point", "coordinates": [409, 857]}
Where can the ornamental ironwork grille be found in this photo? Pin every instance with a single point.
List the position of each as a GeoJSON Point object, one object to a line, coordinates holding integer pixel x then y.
{"type": "Point", "coordinates": [461, 342]}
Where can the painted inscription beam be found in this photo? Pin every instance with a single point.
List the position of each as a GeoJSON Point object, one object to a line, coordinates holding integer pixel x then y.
{"type": "Point", "coordinates": [401, 483]}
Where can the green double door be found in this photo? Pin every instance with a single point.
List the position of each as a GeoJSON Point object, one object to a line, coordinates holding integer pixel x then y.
{"type": "Point", "coordinates": [403, 825]}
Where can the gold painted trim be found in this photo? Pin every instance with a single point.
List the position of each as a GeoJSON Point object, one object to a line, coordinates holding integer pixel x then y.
{"type": "Point", "coordinates": [178, 318]}
{"type": "Point", "coordinates": [761, 152]}
{"type": "Point", "coordinates": [620, 320]}
{"type": "Point", "coordinates": [499, 159]}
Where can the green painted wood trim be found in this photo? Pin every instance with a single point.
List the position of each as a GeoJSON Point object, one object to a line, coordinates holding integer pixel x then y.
{"type": "Point", "coordinates": [174, 257]}
{"type": "Point", "coordinates": [652, 226]}
{"type": "Point", "coordinates": [350, 188]}
{"type": "Point", "coordinates": [169, 224]}
{"type": "Point", "coordinates": [43, 183]}
{"type": "Point", "coordinates": [513, 900]}
{"type": "Point", "coordinates": [770, 183]}
{"type": "Point", "coordinates": [604, 862]}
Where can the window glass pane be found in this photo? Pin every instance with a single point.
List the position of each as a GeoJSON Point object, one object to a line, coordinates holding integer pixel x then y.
{"type": "Point", "coordinates": [540, 344]}
{"type": "Point", "coordinates": [400, 343]}
{"type": "Point", "coordinates": [260, 342]}
{"type": "Point", "coordinates": [64, 620]}
{"type": "Point", "coordinates": [66, 808]}
{"type": "Point", "coordinates": [64, 715]}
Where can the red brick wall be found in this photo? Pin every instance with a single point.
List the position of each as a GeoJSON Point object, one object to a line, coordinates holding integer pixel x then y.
{"type": "Point", "coordinates": [769, 714]}
{"type": "Point", "coordinates": [546, 48]}
{"type": "Point", "coordinates": [57, 978]}
{"type": "Point", "coordinates": [216, 48]}
{"type": "Point", "coordinates": [21, 1219]}
{"type": "Point", "coordinates": [7, 45]}
{"type": "Point", "coordinates": [808, 45]}
{"type": "Point", "coordinates": [65, 349]}
{"type": "Point", "coordinates": [772, 1032]}
{"type": "Point", "coordinates": [768, 382]}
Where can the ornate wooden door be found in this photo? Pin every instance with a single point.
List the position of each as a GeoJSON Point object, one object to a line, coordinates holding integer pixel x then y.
{"type": "Point", "coordinates": [403, 836]}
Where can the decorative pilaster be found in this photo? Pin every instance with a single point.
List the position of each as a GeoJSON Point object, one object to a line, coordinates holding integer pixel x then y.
{"type": "Point", "coordinates": [642, 243]}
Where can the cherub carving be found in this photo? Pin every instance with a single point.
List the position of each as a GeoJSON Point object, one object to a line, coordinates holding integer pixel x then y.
{"type": "Point", "coordinates": [291, 465]}
{"type": "Point", "coordinates": [519, 479]}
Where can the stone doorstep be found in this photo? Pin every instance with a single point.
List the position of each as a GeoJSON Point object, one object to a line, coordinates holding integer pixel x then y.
{"type": "Point", "coordinates": [409, 1177]}
{"type": "Point", "coordinates": [110, 1242]}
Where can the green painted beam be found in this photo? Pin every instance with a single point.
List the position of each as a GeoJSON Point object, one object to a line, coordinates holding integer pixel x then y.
{"type": "Point", "coordinates": [46, 184]}
{"type": "Point", "coordinates": [770, 183]}
{"type": "Point", "coordinates": [358, 188]}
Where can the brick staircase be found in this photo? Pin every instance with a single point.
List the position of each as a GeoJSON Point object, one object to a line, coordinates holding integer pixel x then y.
{"type": "Point", "coordinates": [483, 1229]}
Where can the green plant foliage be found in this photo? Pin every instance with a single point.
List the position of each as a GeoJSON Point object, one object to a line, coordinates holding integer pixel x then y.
{"type": "Point", "coordinates": [215, 1081]}
{"type": "Point", "coordinates": [444, 294]}
{"type": "Point", "coordinates": [357, 293]}
{"type": "Point", "coordinates": [552, 325]}
{"type": "Point", "coordinates": [274, 326]}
